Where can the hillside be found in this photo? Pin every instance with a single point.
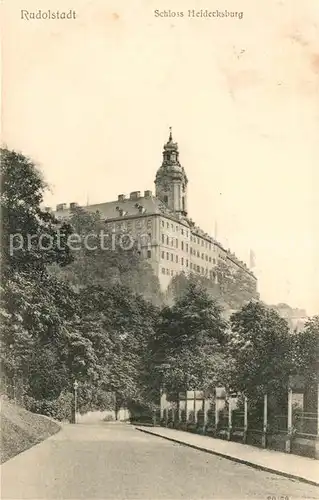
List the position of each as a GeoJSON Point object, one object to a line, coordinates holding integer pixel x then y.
{"type": "Point", "coordinates": [21, 429]}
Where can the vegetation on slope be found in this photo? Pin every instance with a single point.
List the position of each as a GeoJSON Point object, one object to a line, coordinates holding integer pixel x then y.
{"type": "Point", "coordinates": [21, 429]}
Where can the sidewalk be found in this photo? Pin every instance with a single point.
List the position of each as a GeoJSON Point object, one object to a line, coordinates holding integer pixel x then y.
{"type": "Point", "coordinates": [288, 465]}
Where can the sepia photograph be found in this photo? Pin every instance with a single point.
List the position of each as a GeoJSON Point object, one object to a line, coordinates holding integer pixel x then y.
{"type": "Point", "coordinates": [159, 250]}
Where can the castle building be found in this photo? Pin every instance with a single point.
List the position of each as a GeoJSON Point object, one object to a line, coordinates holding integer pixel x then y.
{"type": "Point", "coordinates": [169, 239]}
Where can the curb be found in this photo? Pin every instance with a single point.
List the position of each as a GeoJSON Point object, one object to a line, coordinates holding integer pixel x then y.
{"type": "Point", "coordinates": [233, 459]}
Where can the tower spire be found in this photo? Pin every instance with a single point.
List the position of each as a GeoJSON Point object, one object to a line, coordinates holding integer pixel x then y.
{"type": "Point", "coordinates": [171, 181]}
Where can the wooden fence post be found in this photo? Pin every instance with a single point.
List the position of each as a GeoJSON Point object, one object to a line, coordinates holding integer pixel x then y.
{"type": "Point", "coordinates": [179, 411]}
{"type": "Point", "coordinates": [245, 419]}
{"type": "Point", "coordinates": [216, 411]}
{"type": "Point", "coordinates": [186, 409]}
{"type": "Point", "coordinates": [289, 422]}
{"type": "Point", "coordinates": [205, 413]}
{"type": "Point", "coordinates": [264, 436]}
{"type": "Point", "coordinates": [230, 418]}
{"type": "Point", "coordinates": [195, 415]}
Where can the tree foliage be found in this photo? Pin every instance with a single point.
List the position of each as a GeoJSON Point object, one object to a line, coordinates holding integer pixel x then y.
{"type": "Point", "coordinates": [31, 237]}
{"type": "Point", "coordinates": [305, 351]}
{"type": "Point", "coordinates": [101, 258]}
{"type": "Point", "coordinates": [84, 322]}
{"type": "Point", "coordinates": [96, 315]}
{"type": "Point", "coordinates": [189, 338]}
{"type": "Point", "coordinates": [259, 348]}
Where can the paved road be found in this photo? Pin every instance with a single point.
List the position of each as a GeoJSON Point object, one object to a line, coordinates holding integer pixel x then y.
{"type": "Point", "coordinates": [115, 461]}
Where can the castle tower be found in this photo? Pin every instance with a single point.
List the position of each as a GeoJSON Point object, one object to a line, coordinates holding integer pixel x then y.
{"type": "Point", "coordinates": [171, 181]}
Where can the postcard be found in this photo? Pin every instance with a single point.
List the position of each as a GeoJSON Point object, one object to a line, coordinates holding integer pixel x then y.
{"type": "Point", "coordinates": [160, 244]}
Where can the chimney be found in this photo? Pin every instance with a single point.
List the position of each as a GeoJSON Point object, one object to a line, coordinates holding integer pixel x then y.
{"type": "Point", "coordinates": [121, 197]}
{"type": "Point", "coordinates": [74, 204]}
{"type": "Point", "coordinates": [135, 195]}
{"type": "Point", "coordinates": [60, 207]}
{"type": "Point", "coordinates": [147, 194]}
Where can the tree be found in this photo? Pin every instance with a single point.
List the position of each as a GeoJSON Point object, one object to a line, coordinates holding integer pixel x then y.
{"type": "Point", "coordinates": [119, 323]}
{"type": "Point", "coordinates": [180, 282]}
{"type": "Point", "coordinates": [31, 237]}
{"type": "Point", "coordinates": [84, 322]}
{"type": "Point", "coordinates": [237, 287]}
{"type": "Point", "coordinates": [259, 349]}
{"type": "Point", "coordinates": [190, 337]}
{"type": "Point", "coordinates": [109, 262]}
{"type": "Point", "coordinates": [305, 351]}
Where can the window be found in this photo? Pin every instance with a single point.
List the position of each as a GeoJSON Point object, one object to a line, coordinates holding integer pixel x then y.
{"type": "Point", "coordinates": [214, 261]}
{"type": "Point", "coordinates": [210, 259]}
{"type": "Point", "coordinates": [198, 269]}
{"type": "Point", "coordinates": [163, 238]}
{"type": "Point", "coordinates": [172, 227]}
{"type": "Point", "coordinates": [167, 255]}
{"type": "Point", "coordinates": [167, 271]}
{"type": "Point", "coordinates": [167, 225]}
{"type": "Point", "coordinates": [186, 262]}
{"type": "Point", "coordinates": [163, 270]}
{"type": "Point", "coordinates": [186, 247]}
{"type": "Point", "coordinates": [182, 261]}
{"type": "Point", "coordinates": [182, 231]}
{"type": "Point", "coordinates": [198, 254]}
{"type": "Point", "coordinates": [149, 254]}
{"type": "Point", "coordinates": [172, 257]}
{"type": "Point", "coordinates": [182, 245]}
{"type": "Point", "coordinates": [167, 240]}
{"type": "Point", "coordinates": [202, 256]}
{"type": "Point", "coordinates": [162, 223]}
{"type": "Point", "coordinates": [176, 228]}
{"type": "Point", "coordinates": [206, 257]}
{"type": "Point", "coordinates": [165, 199]}
{"type": "Point", "coordinates": [163, 255]}
{"type": "Point", "coordinates": [202, 243]}
{"type": "Point", "coordinates": [176, 258]}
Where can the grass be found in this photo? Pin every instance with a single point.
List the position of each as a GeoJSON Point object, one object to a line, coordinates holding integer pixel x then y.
{"type": "Point", "coordinates": [21, 429]}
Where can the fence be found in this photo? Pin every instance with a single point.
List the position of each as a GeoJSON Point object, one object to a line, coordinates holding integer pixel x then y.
{"type": "Point", "coordinates": [233, 418]}
{"type": "Point", "coordinates": [305, 423]}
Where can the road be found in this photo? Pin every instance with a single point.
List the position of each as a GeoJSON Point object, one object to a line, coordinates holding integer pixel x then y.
{"type": "Point", "coordinates": [115, 461]}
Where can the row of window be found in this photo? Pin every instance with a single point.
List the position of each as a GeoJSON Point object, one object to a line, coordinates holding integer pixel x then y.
{"type": "Point", "coordinates": [175, 228]}
{"type": "Point", "coordinates": [203, 256]}
{"type": "Point", "coordinates": [199, 241]}
{"type": "Point", "coordinates": [167, 271]}
{"type": "Point", "coordinates": [174, 242]}
{"type": "Point", "coordinates": [130, 224]}
{"type": "Point", "coordinates": [198, 269]}
{"type": "Point", "coordinates": [170, 256]}
{"type": "Point", "coordinates": [206, 244]}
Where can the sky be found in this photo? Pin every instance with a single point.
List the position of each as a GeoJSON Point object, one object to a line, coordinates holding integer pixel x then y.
{"type": "Point", "coordinates": [91, 99]}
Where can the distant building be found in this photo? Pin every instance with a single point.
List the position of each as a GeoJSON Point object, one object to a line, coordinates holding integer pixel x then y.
{"type": "Point", "coordinates": [169, 238]}
{"type": "Point", "coordinates": [295, 317]}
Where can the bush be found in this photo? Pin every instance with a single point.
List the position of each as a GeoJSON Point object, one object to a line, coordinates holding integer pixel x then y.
{"type": "Point", "coordinates": [58, 409]}
{"type": "Point", "coordinates": [108, 418]}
